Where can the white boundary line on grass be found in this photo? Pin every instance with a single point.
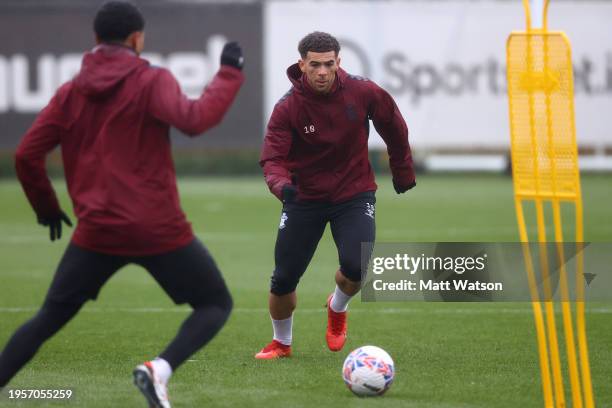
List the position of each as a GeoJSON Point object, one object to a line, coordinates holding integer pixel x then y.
{"type": "Point", "coordinates": [390, 310]}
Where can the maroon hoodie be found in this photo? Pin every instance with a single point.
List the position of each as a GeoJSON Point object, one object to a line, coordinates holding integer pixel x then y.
{"type": "Point", "coordinates": [320, 142]}
{"type": "Point", "coordinates": [112, 122]}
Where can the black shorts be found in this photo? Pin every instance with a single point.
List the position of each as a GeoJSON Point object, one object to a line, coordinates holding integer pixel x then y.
{"type": "Point", "coordinates": [187, 274]}
{"type": "Point", "coordinates": [301, 227]}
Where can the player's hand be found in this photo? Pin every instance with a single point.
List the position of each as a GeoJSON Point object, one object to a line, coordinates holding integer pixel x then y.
{"type": "Point", "coordinates": [289, 192]}
{"type": "Point", "coordinates": [399, 189]}
{"type": "Point", "coordinates": [232, 55]}
{"type": "Point", "coordinates": [55, 224]}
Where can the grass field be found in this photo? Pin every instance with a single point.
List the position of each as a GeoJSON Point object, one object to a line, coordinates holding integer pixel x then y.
{"type": "Point", "coordinates": [447, 355]}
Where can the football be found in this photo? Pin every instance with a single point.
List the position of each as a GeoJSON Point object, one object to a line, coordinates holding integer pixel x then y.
{"type": "Point", "coordinates": [368, 371]}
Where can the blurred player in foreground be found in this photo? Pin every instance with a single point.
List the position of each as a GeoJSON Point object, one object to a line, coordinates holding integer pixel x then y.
{"type": "Point", "coordinates": [315, 159]}
{"type": "Point", "coordinates": [112, 122]}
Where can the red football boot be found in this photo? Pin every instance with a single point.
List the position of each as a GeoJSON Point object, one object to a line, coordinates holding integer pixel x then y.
{"type": "Point", "coordinates": [336, 327]}
{"type": "Point", "coordinates": [274, 350]}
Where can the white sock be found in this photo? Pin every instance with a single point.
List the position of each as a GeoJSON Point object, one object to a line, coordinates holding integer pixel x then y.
{"type": "Point", "coordinates": [162, 369]}
{"type": "Point", "coordinates": [339, 302]}
{"type": "Point", "coordinates": [283, 330]}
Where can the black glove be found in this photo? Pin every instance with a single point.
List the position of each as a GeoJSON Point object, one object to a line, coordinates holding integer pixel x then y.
{"type": "Point", "coordinates": [232, 55]}
{"type": "Point", "coordinates": [401, 189]}
{"type": "Point", "coordinates": [289, 192]}
{"type": "Point", "coordinates": [55, 224]}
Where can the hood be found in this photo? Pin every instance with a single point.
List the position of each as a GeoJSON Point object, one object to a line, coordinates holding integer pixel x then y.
{"type": "Point", "coordinates": [295, 75]}
{"type": "Point", "coordinates": [104, 69]}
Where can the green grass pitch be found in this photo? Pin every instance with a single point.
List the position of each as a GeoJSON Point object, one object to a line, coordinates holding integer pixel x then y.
{"type": "Point", "coordinates": [446, 355]}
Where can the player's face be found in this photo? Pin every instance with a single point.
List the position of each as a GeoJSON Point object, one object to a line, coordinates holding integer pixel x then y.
{"type": "Point", "coordinates": [320, 69]}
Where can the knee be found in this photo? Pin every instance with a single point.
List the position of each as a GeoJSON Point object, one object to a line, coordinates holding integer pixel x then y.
{"type": "Point", "coordinates": [225, 306]}
{"type": "Point", "coordinates": [283, 283]}
{"type": "Point", "coordinates": [351, 269]}
{"type": "Point", "coordinates": [52, 316]}
{"type": "Point", "coordinates": [225, 302]}
{"type": "Point", "coordinates": [220, 300]}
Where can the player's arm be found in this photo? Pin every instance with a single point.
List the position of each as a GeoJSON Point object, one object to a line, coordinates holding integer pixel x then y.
{"type": "Point", "coordinates": [391, 126]}
{"type": "Point", "coordinates": [275, 150]}
{"type": "Point", "coordinates": [193, 117]}
{"type": "Point", "coordinates": [40, 139]}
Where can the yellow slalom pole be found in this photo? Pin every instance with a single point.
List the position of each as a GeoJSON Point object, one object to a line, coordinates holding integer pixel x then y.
{"type": "Point", "coordinates": [583, 350]}
{"type": "Point", "coordinates": [559, 397]}
{"type": "Point", "coordinates": [553, 342]}
{"type": "Point", "coordinates": [527, 14]}
{"type": "Point", "coordinates": [572, 358]}
{"type": "Point", "coordinates": [548, 305]}
{"type": "Point", "coordinates": [537, 309]}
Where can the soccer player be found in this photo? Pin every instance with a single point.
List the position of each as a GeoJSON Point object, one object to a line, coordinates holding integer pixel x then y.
{"type": "Point", "coordinates": [315, 159]}
{"type": "Point", "coordinates": [112, 122]}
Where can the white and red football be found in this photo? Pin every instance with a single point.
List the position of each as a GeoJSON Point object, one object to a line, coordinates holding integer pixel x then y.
{"type": "Point", "coordinates": [368, 371]}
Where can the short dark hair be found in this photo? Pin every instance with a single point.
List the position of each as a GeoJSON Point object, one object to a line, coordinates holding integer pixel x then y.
{"type": "Point", "coordinates": [318, 41]}
{"type": "Point", "coordinates": [116, 20]}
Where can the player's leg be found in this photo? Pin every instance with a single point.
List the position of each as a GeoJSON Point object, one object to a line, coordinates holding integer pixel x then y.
{"type": "Point", "coordinates": [352, 223]}
{"type": "Point", "coordinates": [188, 275]}
{"type": "Point", "coordinates": [26, 341]}
{"type": "Point", "coordinates": [79, 277]}
{"type": "Point", "coordinates": [299, 232]}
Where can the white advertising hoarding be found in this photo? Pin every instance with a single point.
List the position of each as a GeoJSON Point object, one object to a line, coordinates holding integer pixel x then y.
{"type": "Point", "coordinates": [444, 62]}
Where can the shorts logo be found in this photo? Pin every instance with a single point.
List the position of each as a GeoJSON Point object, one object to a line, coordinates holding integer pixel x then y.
{"type": "Point", "coordinates": [282, 220]}
{"type": "Point", "coordinates": [370, 210]}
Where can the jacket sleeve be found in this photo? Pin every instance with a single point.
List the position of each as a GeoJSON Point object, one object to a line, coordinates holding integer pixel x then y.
{"type": "Point", "coordinates": [276, 146]}
{"type": "Point", "coordinates": [42, 137]}
{"type": "Point", "coordinates": [193, 117]}
{"type": "Point", "coordinates": [390, 124]}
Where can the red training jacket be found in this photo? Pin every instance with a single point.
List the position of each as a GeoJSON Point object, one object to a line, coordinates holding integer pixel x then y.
{"type": "Point", "coordinates": [320, 142]}
{"type": "Point", "coordinates": [112, 122]}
